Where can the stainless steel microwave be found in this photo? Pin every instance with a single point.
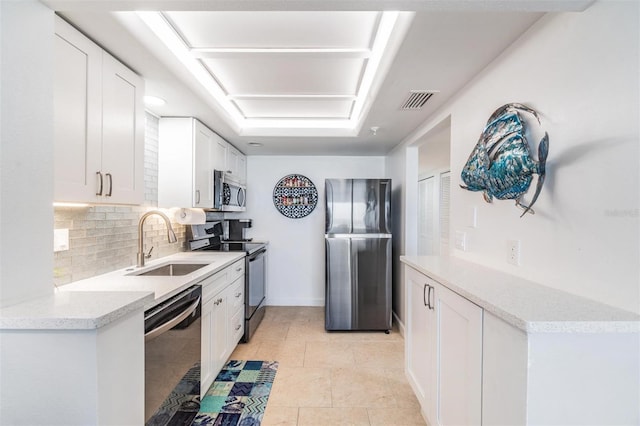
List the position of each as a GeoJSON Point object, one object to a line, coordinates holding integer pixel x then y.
{"type": "Point", "coordinates": [228, 195]}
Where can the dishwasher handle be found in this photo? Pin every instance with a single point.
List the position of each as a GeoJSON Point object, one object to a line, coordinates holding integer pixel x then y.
{"type": "Point", "coordinates": [173, 322]}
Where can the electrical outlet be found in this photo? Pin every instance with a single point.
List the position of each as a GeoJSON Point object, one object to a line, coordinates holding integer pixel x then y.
{"type": "Point", "coordinates": [60, 239]}
{"type": "Point", "coordinates": [513, 252]}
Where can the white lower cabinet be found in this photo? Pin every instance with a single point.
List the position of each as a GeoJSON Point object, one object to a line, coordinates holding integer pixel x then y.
{"type": "Point", "coordinates": [222, 320]}
{"type": "Point", "coordinates": [443, 352]}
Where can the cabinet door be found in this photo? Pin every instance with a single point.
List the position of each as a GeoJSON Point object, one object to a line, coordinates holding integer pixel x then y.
{"type": "Point", "coordinates": [219, 332]}
{"type": "Point", "coordinates": [232, 162]}
{"type": "Point", "coordinates": [219, 157]}
{"type": "Point", "coordinates": [419, 339]}
{"type": "Point", "coordinates": [203, 172]}
{"type": "Point", "coordinates": [235, 297]}
{"type": "Point", "coordinates": [207, 373]}
{"type": "Point", "coordinates": [459, 360]}
{"type": "Point", "coordinates": [122, 133]}
{"type": "Point", "coordinates": [77, 114]}
{"type": "Point", "coordinates": [242, 168]}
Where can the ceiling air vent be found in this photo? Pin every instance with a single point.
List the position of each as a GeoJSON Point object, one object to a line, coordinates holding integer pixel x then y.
{"type": "Point", "coordinates": [416, 99]}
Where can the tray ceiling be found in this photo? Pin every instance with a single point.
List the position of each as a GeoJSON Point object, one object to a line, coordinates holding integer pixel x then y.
{"type": "Point", "coordinates": [288, 71]}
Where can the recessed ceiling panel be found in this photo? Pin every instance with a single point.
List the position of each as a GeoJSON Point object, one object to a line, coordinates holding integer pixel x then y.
{"type": "Point", "coordinates": [276, 29]}
{"type": "Point", "coordinates": [295, 108]}
{"type": "Point", "coordinates": [287, 75]}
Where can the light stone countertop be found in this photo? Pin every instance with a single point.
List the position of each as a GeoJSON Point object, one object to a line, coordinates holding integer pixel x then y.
{"type": "Point", "coordinates": [524, 304]}
{"type": "Point", "coordinates": [95, 302]}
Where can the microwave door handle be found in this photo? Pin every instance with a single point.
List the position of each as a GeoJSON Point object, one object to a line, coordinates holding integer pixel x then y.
{"type": "Point", "coordinates": [240, 198]}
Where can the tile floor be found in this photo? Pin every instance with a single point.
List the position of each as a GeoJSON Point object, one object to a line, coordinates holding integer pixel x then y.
{"type": "Point", "coordinates": [336, 378]}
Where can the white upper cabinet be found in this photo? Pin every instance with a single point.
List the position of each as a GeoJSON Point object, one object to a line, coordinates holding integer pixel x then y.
{"type": "Point", "coordinates": [98, 123]}
{"type": "Point", "coordinates": [220, 149]}
{"type": "Point", "coordinates": [236, 165]}
{"type": "Point", "coordinates": [204, 148]}
{"type": "Point", "coordinates": [188, 153]}
{"type": "Point", "coordinates": [185, 158]}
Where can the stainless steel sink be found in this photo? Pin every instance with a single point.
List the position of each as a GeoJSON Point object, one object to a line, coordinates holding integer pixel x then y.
{"type": "Point", "coordinates": [172, 269]}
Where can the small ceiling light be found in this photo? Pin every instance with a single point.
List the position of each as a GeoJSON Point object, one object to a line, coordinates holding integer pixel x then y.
{"type": "Point", "coordinates": [256, 144]}
{"type": "Point", "coordinates": [154, 101]}
{"type": "Point", "coordinates": [374, 130]}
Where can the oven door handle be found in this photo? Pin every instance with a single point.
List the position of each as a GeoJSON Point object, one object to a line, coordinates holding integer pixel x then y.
{"type": "Point", "coordinates": [173, 322]}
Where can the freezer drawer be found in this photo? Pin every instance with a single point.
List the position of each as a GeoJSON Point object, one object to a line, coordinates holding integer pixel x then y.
{"type": "Point", "coordinates": [358, 283]}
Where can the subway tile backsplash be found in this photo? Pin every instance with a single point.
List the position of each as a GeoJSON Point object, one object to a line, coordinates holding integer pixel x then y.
{"type": "Point", "coordinates": [104, 238]}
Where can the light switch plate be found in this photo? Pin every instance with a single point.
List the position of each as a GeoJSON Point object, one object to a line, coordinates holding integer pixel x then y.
{"type": "Point", "coordinates": [461, 240]}
{"type": "Point", "coordinates": [474, 217]}
{"type": "Point", "coordinates": [513, 252]}
{"type": "Point", "coordinates": [60, 239]}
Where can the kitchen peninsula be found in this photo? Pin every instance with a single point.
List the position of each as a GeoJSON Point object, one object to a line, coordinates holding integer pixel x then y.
{"type": "Point", "coordinates": [515, 351]}
{"type": "Point", "coordinates": [103, 317]}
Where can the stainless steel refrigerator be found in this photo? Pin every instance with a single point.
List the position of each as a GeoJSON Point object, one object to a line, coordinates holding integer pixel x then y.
{"type": "Point", "coordinates": [358, 254]}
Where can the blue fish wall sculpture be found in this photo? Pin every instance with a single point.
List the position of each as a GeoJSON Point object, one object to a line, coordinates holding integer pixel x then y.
{"type": "Point", "coordinates": [501, 165]}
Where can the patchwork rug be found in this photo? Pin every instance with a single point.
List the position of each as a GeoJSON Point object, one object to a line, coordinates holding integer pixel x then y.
{"type": "Point", "coordinates": [237, 397]}
{"type": "Point", "coordinates": [239, 394]}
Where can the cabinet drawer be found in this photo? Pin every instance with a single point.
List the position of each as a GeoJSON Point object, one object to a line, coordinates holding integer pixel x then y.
{"type": "Point", "coordinates": [237, 327]}
{"type": "Point", "coordinates": [236, 270]}
{"type": "Point", "coordinates": [236, 295]}
{"type": "Point", "coordinates": [215, 283]}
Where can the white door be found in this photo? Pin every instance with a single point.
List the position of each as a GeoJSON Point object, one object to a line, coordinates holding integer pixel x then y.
{"type": "Point", "coordinates": [219, 158]}
{"type": "Point", "coordinates": [419, 343]}
{"type": "Point", "coordinates": [427, 225]}
{"type": "Point", "coordinates": [203, 171]}
{"type": "Point", "coordinates": [77, 115]}
{"type": "Point", "coordinates": [122, 133]}
{"type": "Point", "coordinates": [206, 365]}
{"type": "Point", "coordinates": [459, 360]}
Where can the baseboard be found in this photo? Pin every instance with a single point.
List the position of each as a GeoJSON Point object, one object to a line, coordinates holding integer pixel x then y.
{"type": "Point", "coordinates": [282, 301]}
{"type": "Point", "coordinates": [400, 324]}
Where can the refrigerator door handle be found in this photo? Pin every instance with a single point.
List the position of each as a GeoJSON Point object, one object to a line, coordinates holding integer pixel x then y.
{"type": "Point", "coordinates": [360, 236]}
{"type": "Point", "coordinates": [329, 214]}
{"type": "Point", "coordinates": [353, 267]}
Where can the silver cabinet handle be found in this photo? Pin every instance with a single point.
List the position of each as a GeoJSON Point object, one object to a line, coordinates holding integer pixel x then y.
{"type": "Point", "coordinates": [239, 269]}
{"type": "Point", "coordinates": [429, 297]}
{"type": "Point", "coordinates": [238, 294]}
{"type": "Point", "coordinates": [110, 184]}
{"type": "Point", "coordinates": [217, 302]}
{"type": "Point", "coordinates": [197, 196]}
{"type": "Point", "coordinates": [424, 295]}
{"type": "Point", "coordinates": [238, 327]}
{"type": "Point", "coordinates": [99, 193]}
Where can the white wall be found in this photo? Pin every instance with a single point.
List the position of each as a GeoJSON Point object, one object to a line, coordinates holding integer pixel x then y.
{"type": "Point", "coordinates": [26, 151]}
{"type": "Point", "coordinates": [295, 273]}
{"type": "Point", "coordinates": [580, 71]}
{"type": "Point", "coordinates": [400, 164]}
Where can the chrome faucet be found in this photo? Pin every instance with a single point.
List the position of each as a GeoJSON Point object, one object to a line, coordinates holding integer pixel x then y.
{"type": "Point", "coordinates": [171, 236]}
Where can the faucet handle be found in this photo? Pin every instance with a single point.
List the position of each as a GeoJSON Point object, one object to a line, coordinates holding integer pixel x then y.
{"type": "Point", "coordinates": [148, 255]}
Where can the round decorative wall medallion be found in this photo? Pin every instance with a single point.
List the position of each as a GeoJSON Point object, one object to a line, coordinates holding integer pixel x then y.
{"type": "Point", "coordinates": [295, 196]}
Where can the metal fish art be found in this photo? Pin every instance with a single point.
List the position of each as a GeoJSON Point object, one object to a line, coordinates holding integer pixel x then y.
{"type": "Point", "coordinates": [501, 165]}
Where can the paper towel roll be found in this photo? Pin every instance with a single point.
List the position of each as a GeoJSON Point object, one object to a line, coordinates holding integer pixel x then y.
{"type": "Point", "coordinates": [190, 216]}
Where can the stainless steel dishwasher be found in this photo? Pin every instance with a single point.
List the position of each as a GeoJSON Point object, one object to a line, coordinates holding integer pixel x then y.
{"type": "Point", "coordinates": [172, 359]}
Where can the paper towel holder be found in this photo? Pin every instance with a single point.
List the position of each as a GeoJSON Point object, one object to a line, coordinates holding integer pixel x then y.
{"type": "Point", "coordinates": [185, 216]}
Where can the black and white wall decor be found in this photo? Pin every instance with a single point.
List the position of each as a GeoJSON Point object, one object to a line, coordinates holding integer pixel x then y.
{"type": "Point", "coordinates": [295, 196]}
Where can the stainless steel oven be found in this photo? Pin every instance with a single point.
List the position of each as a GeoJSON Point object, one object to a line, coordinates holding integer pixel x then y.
{"type": "Point", "coordinates": [255, 291]}
{"type": "Point", "coordinates": [172, 359]}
